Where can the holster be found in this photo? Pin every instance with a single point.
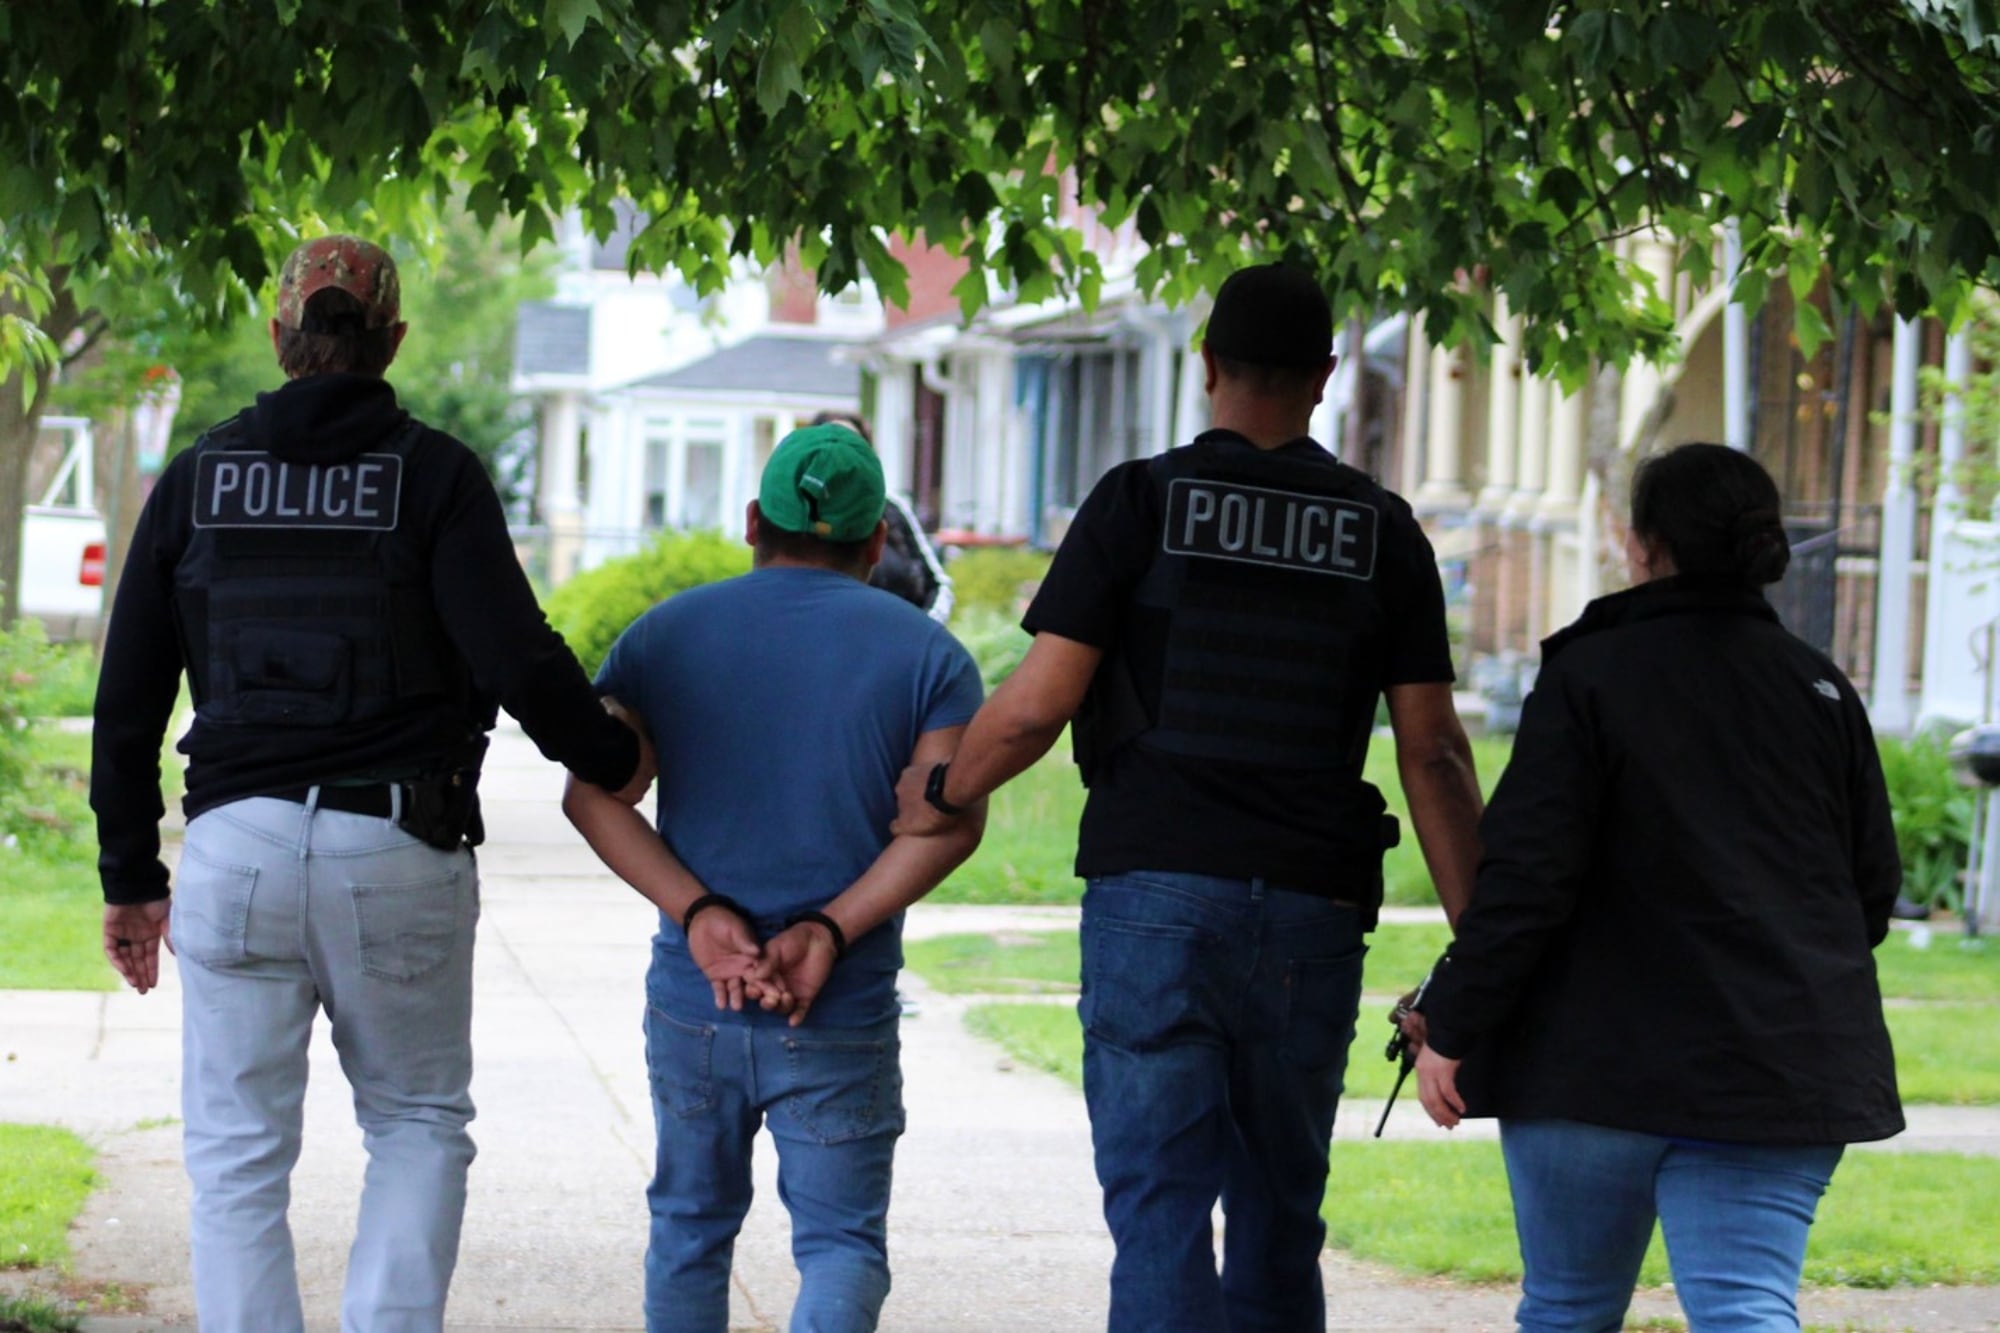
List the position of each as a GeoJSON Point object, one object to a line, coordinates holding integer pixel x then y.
{"type": "Point", "coordinates": [442, 809]}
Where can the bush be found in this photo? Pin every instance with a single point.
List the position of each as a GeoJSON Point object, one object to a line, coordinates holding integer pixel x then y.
{"type": "Point", "coordinates": [996, 642]}
{"type": "Point", "coordinates": [593, 609]}
{"type": "Point", "coordinates": [1933, 817]}
{"type": "Point", "coordinates": [997, 579]}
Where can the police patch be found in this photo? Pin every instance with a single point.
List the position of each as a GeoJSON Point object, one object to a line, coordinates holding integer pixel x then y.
{"type": "Point", "coordinates": [240, 489]}
{"type": "Point", "coordinates": [1220, 520]}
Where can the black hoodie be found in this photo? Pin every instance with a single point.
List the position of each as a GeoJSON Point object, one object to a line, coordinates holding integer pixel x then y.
{"type": "Point", "coordinates": [488, 610]}
{"type": "Point", "coordinates": [1686, 866]}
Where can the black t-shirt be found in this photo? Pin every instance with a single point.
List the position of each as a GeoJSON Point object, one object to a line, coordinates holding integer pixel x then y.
{"type": "Point", "coordinates": [1151, 810]}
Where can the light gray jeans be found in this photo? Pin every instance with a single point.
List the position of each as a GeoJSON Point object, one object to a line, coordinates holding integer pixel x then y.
{"type": "Point", "coordinates": [280, 910]}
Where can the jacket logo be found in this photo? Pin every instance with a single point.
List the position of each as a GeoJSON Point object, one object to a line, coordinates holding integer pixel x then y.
{"type": "Point", "coordinates": [1827, 688]}
{"type": "Point", "coordinates": [1219, 520]}
{"type": "Point", "coordinates": [242, 489]}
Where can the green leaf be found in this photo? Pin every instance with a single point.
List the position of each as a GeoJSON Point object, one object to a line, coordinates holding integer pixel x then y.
{"type": "Point", "coordinates": [1811, 327]}
{"type": "Point", "coordinates": [778, 78]}
{"type": "Point", "coordinates": [1563, 188]}
{"type": "Point", "coordinates": [571, 16]}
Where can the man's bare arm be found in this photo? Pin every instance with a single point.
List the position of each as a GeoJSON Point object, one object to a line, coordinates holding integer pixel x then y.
{"type": "Point", "coordinates": [721, 943]}
{"type": "Point", "coordinates": [908, 868]}
{"type": "Point", "coordinates": [1434, 761]}
{"type": "Point", "coordinates": [1014, 728]}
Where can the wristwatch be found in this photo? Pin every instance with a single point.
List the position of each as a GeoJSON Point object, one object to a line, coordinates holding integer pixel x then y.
{"type": "Point", "coordinates": [934, 792]}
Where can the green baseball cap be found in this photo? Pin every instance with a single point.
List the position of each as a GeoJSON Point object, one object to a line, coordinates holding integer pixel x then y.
{"type": "Point", "coordinates": [824, 481]}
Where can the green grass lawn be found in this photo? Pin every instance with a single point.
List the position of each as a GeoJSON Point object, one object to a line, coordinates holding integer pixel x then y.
{"type": "Point", "coordinates": [1442, 1208]}
{"type": "Point", "coordinates": [50, 905]}
{"type": "Point", "coordinates": [48, 1175]}
{"type": "Point", "coordinates": [1949, 967]}
{"type": "Point", "coordinates": [1947, 1053]}
{"type": "Point", "coordinates": [1029, 852]}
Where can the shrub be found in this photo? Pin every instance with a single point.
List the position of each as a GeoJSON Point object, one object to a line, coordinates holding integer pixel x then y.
{"type": "Point", "coordinates": [593, 609]}
{"type": "Point", "coordinates": [1933, 817]}
{"type": "Point", "coordinates": [997, 643]}
{"type": "Point", "coordinates": [998, 579]}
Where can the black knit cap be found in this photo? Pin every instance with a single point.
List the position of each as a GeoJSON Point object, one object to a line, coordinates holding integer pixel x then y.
{"type": "Point", "coordinates": [1272, 315]}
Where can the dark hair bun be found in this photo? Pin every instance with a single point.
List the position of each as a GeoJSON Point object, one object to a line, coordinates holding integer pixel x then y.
{"type": "Point", "coordinates": [1759, 550]}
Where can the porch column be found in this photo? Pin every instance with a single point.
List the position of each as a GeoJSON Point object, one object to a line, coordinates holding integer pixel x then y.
{"type": "Point", "coordinates": [1503, 399]}
{"type": "Point", "coordinates": [1444, 486]}
{"type": "Point", "coordinates": [1889, 701]}
{"type": "Point", "coordinates": [1531, 470]}
{"type": "Point", "coordinates": [1946, 653]}
{"type": "Point", "coordinates": [1565, 482]}
{"type": "Point", "coordinates": [1416, 407]}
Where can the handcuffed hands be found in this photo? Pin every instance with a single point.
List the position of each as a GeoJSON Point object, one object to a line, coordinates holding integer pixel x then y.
{"type": "Point", "coordinates": [727, 951]}
{"type": "Point", "coordinates": [782, 975]}
{"type": "Point", "coordinates": [797, 962]}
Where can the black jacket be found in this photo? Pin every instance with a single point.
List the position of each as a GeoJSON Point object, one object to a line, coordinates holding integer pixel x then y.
{"type": "Point", "coordinates": [1687, 864]}
{"type": "Point", "coordinates": [485, 603]}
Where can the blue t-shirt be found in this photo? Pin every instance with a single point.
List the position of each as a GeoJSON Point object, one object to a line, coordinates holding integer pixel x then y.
{"type": "Point", "coordinates": [784, 705]}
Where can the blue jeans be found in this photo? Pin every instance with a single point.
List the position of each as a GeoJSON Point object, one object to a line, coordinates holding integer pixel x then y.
{"type": "Point", "coordinates": [833, 1098]}
{"type": "Point", "coordinates": [280, 911]}
{"type": "Point", "coordinates": [1217, 1015]}
{"type": "Point", "coordinates": [1735, 1217]}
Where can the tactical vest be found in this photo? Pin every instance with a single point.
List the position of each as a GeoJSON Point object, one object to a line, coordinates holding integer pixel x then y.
{"type": "Point", "coordinates": [1255, 635]}
{"type": "Point", "coordinates": [303, 597]}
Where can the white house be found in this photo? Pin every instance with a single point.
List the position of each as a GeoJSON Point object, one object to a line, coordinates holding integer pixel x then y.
{"type": "Point", "coordinates": [626, 446]}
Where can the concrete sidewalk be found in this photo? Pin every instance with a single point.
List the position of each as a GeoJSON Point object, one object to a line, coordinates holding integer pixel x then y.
{"type": "Point", "coordinates": [995, 1225]}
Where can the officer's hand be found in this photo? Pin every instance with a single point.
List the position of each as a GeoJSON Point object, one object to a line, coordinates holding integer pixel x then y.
{"type": "Point", "coordinates": [1437, 1087]}
{"type": "Point", "coordinates": [1411, 1022]}
{"type": "Point", "coordinates": [726, 950]}
{"type": "Point", "coordinates": [797, 961]}
{"type": "Point", "coordinates": [915, 816]}
{"type": "Point", "coordinates": [133, 933]}
{"type": "Point", "coordinates": [635, 790]}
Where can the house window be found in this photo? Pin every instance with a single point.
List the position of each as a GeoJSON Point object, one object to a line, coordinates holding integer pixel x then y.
{"type": "Point", "coordinates": [659, 446]}
{"type": "Point", "coordinates": [1093, 421]}
{"type": "Point", "coordinates": [701, 485]}
{"type": "Point", "coordinates": [763, 442]}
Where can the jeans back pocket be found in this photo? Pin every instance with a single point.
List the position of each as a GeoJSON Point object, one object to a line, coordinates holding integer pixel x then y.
{"type": "Point", "coordinates": [842, 1089]}
{"type": "Point", "coordinates": [408, 930]}
{"type": "Point", "coordinates": [209, 922]}
{"type": "Point", "coordinates": [680, 1062]}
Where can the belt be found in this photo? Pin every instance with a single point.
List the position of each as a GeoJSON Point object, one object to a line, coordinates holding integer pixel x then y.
{"type": "Point", "coordinates": [375, 798]}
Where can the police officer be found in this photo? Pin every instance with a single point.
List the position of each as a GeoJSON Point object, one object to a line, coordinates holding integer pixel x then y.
{"type": "Point", "coordinates": [337, 581]}
{"type": "Point", "coordinates": [1220, 623]}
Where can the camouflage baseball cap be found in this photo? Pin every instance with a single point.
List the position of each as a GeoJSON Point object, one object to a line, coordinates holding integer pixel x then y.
{"type": "Point", "coordinates": [360, 268]}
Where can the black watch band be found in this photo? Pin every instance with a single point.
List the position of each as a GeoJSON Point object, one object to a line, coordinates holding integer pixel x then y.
{"type": "Point", "coordinates": [934, 791]}
{"type": "Point", "coordinates": [833, 930]}
{"type": "Point", "coordinates": [726, 903]}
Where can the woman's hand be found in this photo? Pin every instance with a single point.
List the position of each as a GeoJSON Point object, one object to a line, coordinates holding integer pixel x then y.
{"type": "Point", "coordinates": [1437, 1088]}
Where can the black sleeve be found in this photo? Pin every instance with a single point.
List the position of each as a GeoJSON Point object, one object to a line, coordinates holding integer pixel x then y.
{"type": "Point", "coordinates": [1878, 866]}
{"type": "Point", "coordinates": [1419, 646]}
{"type": "Point", "coordinates": [1537, 835]}
{"type": "Point", "coordinates": [490, 612]}
{"type": "Point", "coordinates": [1106, 552]}
{"type": "Point", "coordinates": [137, 684]}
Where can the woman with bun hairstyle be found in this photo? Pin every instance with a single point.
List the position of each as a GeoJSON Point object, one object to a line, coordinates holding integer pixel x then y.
{"type": "Point", "coordinates": [1664, 985]}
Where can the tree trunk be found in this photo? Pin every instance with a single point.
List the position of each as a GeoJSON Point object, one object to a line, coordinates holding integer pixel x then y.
{"type": "Point", "coordinates": [19, 422]}
{"type": "Point", "coordinates": [23, 399]}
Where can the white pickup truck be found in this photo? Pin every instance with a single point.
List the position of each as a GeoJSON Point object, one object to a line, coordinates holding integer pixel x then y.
{"type": "Point", "coordinates": [62, 538]}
